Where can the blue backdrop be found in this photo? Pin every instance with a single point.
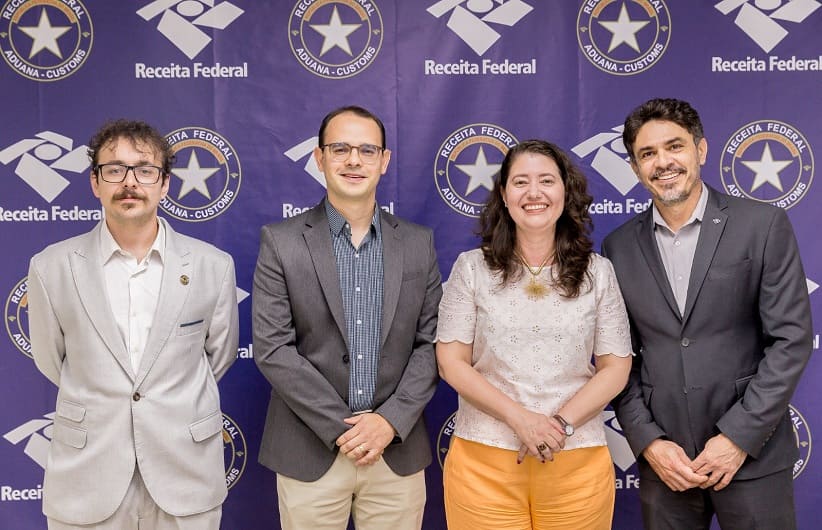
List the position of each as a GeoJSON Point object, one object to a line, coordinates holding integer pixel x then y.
{"type": "Point", "coordinates": [240, 87]}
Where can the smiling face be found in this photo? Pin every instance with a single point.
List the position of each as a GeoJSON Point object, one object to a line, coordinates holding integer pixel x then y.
{"type": "Point", "coordinates": [534, 194]}
{"type": "Point", "coordinates": [352, 180]}
{"type": "Point", "coordinates": [667, 161]}
{"type": "Point", "coordinates": [129, 203]}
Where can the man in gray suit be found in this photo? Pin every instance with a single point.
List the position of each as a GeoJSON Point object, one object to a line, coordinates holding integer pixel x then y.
{"type": "Point", "coordinates": [721, 325]}
{"type": "Point", "coordinates": [135, 324]}
{"type": "Point", "coordinates": [344, 313]}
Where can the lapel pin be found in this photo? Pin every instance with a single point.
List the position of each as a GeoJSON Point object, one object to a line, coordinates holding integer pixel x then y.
{"type": "Point", "coordinates": [716, 221]}
{"type": "Point", "coordinates": [184, 279]}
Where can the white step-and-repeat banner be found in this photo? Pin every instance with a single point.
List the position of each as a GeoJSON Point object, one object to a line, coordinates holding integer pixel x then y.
{"type": "Point", "coordinates": [240, 87]}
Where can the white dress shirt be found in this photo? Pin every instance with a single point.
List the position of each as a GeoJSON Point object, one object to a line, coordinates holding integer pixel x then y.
{"type": "Point", "coordinates": [133, 289]}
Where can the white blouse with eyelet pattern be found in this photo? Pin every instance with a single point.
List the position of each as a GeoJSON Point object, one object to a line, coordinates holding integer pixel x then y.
{"type": "Point", "coordinates": [536, 351]}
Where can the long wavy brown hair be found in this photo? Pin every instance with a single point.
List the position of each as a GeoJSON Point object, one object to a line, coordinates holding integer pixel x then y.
{"type": "Point", "coordinates": [573, 244]}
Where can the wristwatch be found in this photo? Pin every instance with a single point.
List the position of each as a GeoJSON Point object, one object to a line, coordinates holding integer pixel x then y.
{"type": "Point", "coordinates": [566, 427]}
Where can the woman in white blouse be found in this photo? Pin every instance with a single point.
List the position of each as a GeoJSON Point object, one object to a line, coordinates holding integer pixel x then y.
{"type": "Point", "coordinates": [520, 320]}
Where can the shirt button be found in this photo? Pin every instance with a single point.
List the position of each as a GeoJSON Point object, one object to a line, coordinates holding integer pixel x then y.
{"type": "Point", "coordinates": [359, 356]}
{"type": "Point", "coordinates": [359, 391]}
{"type": "Point", "coordinates": [357, 289]}
{"type": "Point", "coordinates": [356, 255]}
{"type": "Point", "coordinates": [136, 396]}
{"type": "Point", "coordinates": [359, 321]}
{"type": "Point", "coordinates": [677, 242]}
{"type": "Point", "coordinates": [685, 342]}
{"type": "Point", "coordinates": [679, 278]}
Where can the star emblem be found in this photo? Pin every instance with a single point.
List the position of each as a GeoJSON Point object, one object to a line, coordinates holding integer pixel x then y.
{"type": "Point", "coordinates": [623, 30]}
{"type": "Point", "coordinates": [481, 173]}
{"type": "Point", "coordinates": [767, 169]}
{"type": "Point", "coordinates": [194, 177]}
{"type": "Point", "coordinates": [335, 33]}
{"type": "Point", "coordinates": [44, 35]}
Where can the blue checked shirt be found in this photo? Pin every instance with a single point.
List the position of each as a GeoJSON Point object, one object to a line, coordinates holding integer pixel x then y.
{"type": "Point", "coordinates": [361, 283]}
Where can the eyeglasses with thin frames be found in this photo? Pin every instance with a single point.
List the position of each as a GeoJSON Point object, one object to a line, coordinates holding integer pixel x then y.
{"type": "Point", "coordinates": [340, 151]}
{"type": "Point", "coordinates": [116, 173]}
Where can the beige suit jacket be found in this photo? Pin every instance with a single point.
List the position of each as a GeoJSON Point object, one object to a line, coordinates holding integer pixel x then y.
{"type": "Point", "coordinates": [165, 418]}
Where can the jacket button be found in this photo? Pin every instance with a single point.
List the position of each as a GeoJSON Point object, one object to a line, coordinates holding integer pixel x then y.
{"type": "Point", "coordinates": [346, 358]}
{"type": "Point", "coordinates": [136, 396]}
{"type": "Point", "coordinates": [685, 342]}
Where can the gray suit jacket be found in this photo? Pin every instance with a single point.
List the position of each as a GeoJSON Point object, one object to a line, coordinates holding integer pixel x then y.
{"type": "Point", "coordinates": [300, 343]}
{"type": "Point", "coordinates": [731, 363]}
{"type": "Point", "coordinates": [167, 415]}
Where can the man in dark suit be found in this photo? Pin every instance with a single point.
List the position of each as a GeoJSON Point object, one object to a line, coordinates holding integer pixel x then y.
{"type": "Point", "coordinates": [344, 313]}
{"type": "Point", "coordinates": [721, 326]}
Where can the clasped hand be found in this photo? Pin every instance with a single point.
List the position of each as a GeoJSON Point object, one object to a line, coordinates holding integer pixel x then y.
{"type": "Point", "coordinates": [541, 436]}
{"type": "Point", "coordinates": [365, 441]}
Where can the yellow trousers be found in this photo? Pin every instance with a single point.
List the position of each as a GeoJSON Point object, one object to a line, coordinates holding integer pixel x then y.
{"type": "Point", "coordinates": [485, 488]}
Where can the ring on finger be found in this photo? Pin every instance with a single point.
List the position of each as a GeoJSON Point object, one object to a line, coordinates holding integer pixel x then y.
{"type": "Point", "coordinates": [542, 447]}
{"type": "Point", "coordinates": [362, 449]}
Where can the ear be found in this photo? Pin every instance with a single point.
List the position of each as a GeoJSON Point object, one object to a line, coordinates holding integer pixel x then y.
{"type": "Point", "coordinates": [318, 158]}
{"type": "Point", "coordinates": [386, 158]}
{"type": "Point", "coordinates": [166, 184]}
{"type": "Point", "coordinates": [94, 184]}
{"type": "Point", "coordinates": [702, 151]}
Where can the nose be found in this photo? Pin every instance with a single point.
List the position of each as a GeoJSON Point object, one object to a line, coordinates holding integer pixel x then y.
{"type": "Point", "coordinates": [354, 160]}
{"type": "Point", "coordinates": [533, 188]}
{"type": "Point", "coordinates": [132, 180]}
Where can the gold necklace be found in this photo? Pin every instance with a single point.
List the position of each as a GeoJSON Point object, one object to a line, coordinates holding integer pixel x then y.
{"type": "Point", "coordinates": [534, 288]}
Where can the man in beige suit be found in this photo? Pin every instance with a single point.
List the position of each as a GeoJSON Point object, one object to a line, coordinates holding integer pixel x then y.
{"type": "Point", "coordinates": [135, 324]}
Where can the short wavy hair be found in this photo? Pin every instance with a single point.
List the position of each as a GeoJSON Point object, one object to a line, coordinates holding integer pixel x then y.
{"type": "Point", "coordinates": [134, 131]}
{"type": "Point", "coordinates": [673, 110]}
{"type": "Point", "coordinates": [573, 244]}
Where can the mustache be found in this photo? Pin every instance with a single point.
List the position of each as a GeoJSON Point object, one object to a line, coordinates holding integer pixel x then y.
{"type": "Point", "coordinates": [127, 193]}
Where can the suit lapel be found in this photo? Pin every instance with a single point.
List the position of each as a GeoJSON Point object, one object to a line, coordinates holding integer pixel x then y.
{"type": "Point", "coordinates": [392, 252]}
{"type": "Point", "coordinates": [713, 225]}
{"type": "Point", "coordinates": [318, 240]}
{"type": "Point", "coordinates": [650, 251]}
{"type": "Point", "coordinates": [173, 292]}
{"type": "Point", "coordinates": [87, 270]}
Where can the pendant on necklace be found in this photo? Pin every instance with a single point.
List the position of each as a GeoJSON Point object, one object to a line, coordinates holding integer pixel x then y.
{"type": "Point", "coordinates": [535, 289]}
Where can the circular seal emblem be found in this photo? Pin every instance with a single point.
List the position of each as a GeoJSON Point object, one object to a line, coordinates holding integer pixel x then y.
{"type": "Point", "coordinates": [466, 164]}
{"type": "Point", "coordinates": [803, 440]}
{"type": "Point", "coordinates": [206, 177]}
{"type": "Point", "coordinates": [768, 161]}
{"type": "Point", "coordinates": [234, 450]}
{"type": "Point", "coordinates": [622, 37]}
{"type": "Point", "coordinates": [45, 40]}
{"type": "Point", "coordinates": [17, 317]}
{"type": "Point", "coordinates": [444, 438]}
{"type": "Point", "coordinates": [335, 39]}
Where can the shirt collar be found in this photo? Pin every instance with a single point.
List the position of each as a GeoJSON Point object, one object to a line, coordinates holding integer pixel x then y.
{"type": "Point", "coordinates": [697, 214]}
{"type": "Point", "coordinates": [109, 247]}
{"type": "Point", "coordinates": [337, 222]}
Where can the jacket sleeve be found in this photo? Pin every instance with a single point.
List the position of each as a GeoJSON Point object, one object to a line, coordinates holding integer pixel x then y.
{"type": "Point", "coordinates": [47, 342]}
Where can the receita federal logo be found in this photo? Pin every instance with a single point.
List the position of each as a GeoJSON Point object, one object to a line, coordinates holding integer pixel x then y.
{"type": "Point", "coordinates": [476, 22]}
{"type": "Point", "coordinates": [43, 162]}
{"type": "Point", "coordinates": [768, 161]}
{"type": "Point", "coordinates": [623, 37]}
{"type": "Point", "coordinates": [235, 451]}
{"type": "Point", "coordinates": [206, 177]}
{"type": "Point", "coordinates": [45, 40]}
{"type": "Point", "coordinates": [767, 23]}
{"type": "Point", "coordinates": [803, 440]}
{"type": "Point", "coordinates": [466, 163]}
{"type": "Point", "coordinates": [335, 39]}
{"type": "Point", "coordinates": [16, 312]}
{"type": "Point", "coordinates": [610, 160]}
{"type": "Point", "coordinates": [183, 23]}
{"type": "Point", "coordinates": [303, 151]}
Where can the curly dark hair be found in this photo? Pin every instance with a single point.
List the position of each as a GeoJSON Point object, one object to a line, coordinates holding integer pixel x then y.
{"type": "Point", "coordinates": [135, 132]}
{"type": "Point", "coordinates": [673, 110]}
{"type": "Point", "coordinates": [573, 244]}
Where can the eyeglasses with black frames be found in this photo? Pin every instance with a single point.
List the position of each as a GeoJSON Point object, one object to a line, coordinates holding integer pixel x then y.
{"type": "Point", "coordinates": [116, 173]}
{"type": "Point", "coordinates": [340, 151]}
